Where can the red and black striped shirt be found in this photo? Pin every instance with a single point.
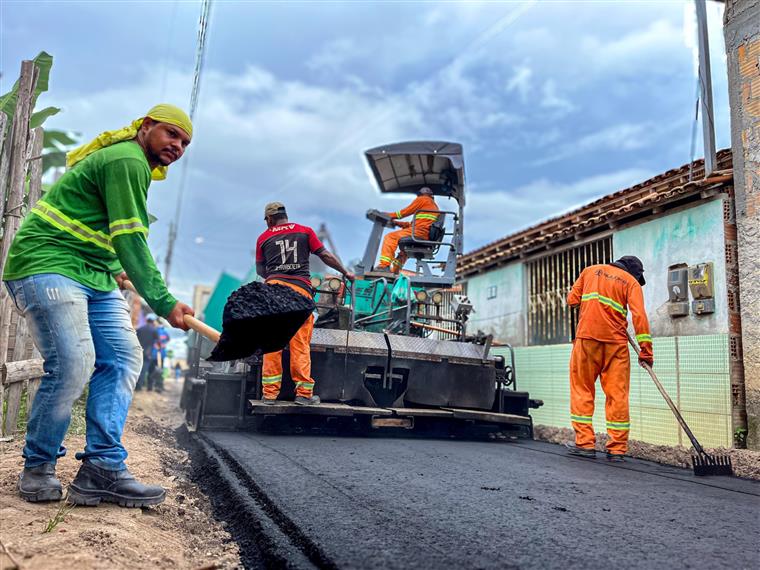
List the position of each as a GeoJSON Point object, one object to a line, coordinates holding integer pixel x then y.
{"type": "Point", "coordinates": [284, 252]}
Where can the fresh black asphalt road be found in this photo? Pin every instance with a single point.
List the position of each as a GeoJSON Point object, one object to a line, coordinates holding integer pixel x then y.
{"type": "Point", "coordinates": [413, 503]}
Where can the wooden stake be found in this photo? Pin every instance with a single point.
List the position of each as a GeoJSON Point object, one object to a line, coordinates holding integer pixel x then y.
{"type": "Point", "coordinates": [18, 159]}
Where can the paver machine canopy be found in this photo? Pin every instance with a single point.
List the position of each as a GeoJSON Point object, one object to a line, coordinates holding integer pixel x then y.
{"type": "Point", "coordinates": [405, 168]}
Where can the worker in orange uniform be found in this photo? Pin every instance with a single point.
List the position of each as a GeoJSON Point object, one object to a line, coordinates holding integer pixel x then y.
{"type": "Point", "coordinates": [282, 258]}
{"type": "Point", "coordinates": [605, 294]}
{"type": "Point", "coordinates": [423, 208]}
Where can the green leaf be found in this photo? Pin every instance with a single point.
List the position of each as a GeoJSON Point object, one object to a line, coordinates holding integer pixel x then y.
{"type": "Point", "coordinates": [55, 139]}
{"type": "Point", "coordinates": [40, 117]}
{"type": "Point", "coordinates": [44, 61]}
{"type": "Point", "coordinates": [53, 160]}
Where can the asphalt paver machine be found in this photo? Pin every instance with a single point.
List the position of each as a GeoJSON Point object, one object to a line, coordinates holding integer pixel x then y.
{"type": "Point", "coordinates": [391, 352]}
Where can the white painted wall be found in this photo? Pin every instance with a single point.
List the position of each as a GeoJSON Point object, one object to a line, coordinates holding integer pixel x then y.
{"type": "Point", "coordinates": [504, 315]}
{"type": "Point", "coordinates": [692, 236]}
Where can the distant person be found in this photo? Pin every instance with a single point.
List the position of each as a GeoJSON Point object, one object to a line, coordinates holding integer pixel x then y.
{"type": "Point", "coordinates": [177, 371]}
{"type": "Point", "coordinates": [163, 343]}
{"type": "Point", "coordinates": [147, 335]}
{"type": "Point", "coordinates": [606, 293]}
{"type": "Point", "coordinates": [282, 258]}
{"type": "Point", "coordinates": [424, 209]}
{"type": "Point", "coordinates": [73, 251]}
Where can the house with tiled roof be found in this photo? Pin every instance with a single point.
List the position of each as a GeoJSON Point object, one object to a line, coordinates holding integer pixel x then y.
{"type": "Point", "coordinates": [682, 226]}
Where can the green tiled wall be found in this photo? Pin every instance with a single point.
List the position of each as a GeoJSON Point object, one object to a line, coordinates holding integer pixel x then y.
{"type": "Point", "coordinates": [693, 369]}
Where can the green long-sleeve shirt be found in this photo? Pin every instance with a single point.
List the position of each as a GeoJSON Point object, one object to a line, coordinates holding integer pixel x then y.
{"type": "Point", "coordinates": [92, 223]}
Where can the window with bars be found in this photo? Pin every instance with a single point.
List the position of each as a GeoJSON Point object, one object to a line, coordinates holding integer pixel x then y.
{"type": "Point", "coordinates": [550, 320]}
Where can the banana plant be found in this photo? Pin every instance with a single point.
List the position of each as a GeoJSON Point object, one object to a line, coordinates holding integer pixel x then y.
{"type": "Point", "coordinates": [43, 62]}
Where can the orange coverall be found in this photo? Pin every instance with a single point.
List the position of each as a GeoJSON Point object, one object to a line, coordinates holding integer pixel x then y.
{"type": "Point", "coordinates": [300, 358]}
{"type": "Point", "coordinates": [605, 294]}
{"type": "Point", "coordinates": [422, 224]}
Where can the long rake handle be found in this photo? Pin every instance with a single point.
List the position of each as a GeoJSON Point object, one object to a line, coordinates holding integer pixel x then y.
{"type": "Point", "coordinates": [197, 325]}
{"type": "Point", "coordinates": [666, 397]}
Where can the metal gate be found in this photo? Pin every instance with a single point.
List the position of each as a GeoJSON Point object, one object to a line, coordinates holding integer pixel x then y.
{"type": "Point", "coordinates": [550, 277]}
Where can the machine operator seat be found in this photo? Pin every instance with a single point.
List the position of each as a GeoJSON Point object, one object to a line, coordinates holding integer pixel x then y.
{"type": "Point", "coordinates": [427, 249]}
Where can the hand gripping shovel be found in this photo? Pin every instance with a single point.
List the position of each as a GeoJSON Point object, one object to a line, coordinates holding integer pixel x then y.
{"type": "Point", "coordinates": [703, 463]}
{"type": "Point", "coordinates": [197, 325]}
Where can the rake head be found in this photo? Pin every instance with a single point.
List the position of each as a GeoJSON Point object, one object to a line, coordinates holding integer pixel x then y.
{"type": "Point", "coordinates": [705, 464]}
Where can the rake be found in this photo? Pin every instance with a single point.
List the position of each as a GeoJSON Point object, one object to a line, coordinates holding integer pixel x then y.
{"type": "Point", "coordinates": [702, 462]}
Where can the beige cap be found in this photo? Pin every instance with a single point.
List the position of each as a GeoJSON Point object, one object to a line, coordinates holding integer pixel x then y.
{"type": "Point", "coordinates": [274, 208]}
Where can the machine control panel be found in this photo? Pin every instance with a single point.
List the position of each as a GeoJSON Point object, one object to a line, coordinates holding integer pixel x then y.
{"type": "Point", "coordinates": [378, 216]}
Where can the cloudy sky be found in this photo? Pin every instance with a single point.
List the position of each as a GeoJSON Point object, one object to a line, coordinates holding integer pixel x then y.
{"type": "Point", "coordinates": [556, 104]}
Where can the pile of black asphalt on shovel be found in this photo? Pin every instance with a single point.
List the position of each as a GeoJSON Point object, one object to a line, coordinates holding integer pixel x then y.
{"type": "Point", "coordinates": [260, 317]}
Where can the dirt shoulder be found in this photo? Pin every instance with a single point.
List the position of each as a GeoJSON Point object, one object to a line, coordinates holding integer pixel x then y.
{"type": "Point", "coordinates": [746, 463]}
{"type": "Point", "coordinates": [180, 533]}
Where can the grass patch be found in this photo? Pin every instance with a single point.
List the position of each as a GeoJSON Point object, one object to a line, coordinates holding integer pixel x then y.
{"type": "Point", "coordinates": [64, 508]}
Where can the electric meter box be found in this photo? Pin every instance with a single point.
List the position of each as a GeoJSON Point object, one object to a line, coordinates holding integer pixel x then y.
{"type": "Point", "coordinates": [678, 290]}
{"type": "Point", "coordinates": [701, 284]}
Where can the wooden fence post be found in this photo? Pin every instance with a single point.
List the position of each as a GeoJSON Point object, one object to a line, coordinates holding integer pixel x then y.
{"type": "Point", "coordinates": [16, 183]}
{"type": "Point", "coordinates": [16, 155]}
{"type": "Point", "coordinates": [4, 131]}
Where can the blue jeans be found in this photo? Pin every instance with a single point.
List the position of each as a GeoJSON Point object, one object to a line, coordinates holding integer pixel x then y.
{"type": "Point", "coordinates": [82, 334]}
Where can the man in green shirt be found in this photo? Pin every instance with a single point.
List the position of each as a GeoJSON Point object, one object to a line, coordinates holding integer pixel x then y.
{"type": "Point", "coordinates": [75, 248]}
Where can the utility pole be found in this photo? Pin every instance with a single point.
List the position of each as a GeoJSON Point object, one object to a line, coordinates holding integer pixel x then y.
{"type": "Point", "coordinates": [705, 89]}
{"type": "Point", "coordinates": [169, 251]}
{"type": "Point", "coordinates": [742, 34]}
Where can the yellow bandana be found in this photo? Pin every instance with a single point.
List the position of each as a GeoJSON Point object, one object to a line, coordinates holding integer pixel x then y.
{"type": "Point", "coordinates": [163, 113]}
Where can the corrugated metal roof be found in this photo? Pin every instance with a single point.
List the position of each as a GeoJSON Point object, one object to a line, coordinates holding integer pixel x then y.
{"type": "Point", "coordinates": [669, 187]}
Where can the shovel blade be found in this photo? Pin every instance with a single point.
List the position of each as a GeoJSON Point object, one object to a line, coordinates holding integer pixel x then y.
{"type": "Point", "coordinates": [705, 464]}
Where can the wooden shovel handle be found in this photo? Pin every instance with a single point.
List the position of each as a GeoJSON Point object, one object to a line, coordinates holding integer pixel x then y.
{"type": "Point", "coordinates": [202, 328]}
{"type": "Point", "coordinates": [196, 324]}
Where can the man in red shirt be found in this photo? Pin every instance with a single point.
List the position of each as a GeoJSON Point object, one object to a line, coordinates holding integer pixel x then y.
{"type": "Point", "coordinates": [605, 294]}
{"type": "Point", "coordinates": [282, 257]}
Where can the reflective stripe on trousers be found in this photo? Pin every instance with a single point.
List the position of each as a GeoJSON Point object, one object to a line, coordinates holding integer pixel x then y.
{"type": "Point", "coordinates": [610, 362]}
{"type": "Point", "coordinates": [300, 359]}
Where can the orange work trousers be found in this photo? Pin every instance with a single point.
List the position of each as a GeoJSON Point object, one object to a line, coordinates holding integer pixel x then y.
{"type": "Point", "coordinates": [390, 243]}
{"type": "Point", "coordinates": [611, 363]}
{"type": "Point", "coordinates": [300, 359]}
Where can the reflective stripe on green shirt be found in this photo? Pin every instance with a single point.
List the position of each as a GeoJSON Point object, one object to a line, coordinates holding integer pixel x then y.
{"type": "Point", "coordinates": [71, 226]}
{"type": "Point", "coordinates": [93, 224]}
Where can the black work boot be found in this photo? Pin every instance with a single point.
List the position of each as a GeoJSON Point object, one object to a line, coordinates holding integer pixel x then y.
{"type": "Point", "coordinates": [588, 453]}
{"type": "Point", "coordinates": [304, 401]}
{"type": "Point", "coordinates": [93, 484]}
{"type": "Point", "coordinates": [37, 484]}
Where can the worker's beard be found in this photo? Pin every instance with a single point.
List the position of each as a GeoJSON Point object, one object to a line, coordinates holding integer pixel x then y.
{"type": "Point", "coordinates": [158, 152]}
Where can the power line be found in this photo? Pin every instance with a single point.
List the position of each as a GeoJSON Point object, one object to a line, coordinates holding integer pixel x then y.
{"type": "Point", "coordinates": [197, 74]}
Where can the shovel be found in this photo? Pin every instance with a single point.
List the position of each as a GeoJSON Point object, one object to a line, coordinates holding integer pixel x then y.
{"type": "Point", "coordinates": [702, 462]}
{"type": "Point", "coordinates": [257, 317]}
